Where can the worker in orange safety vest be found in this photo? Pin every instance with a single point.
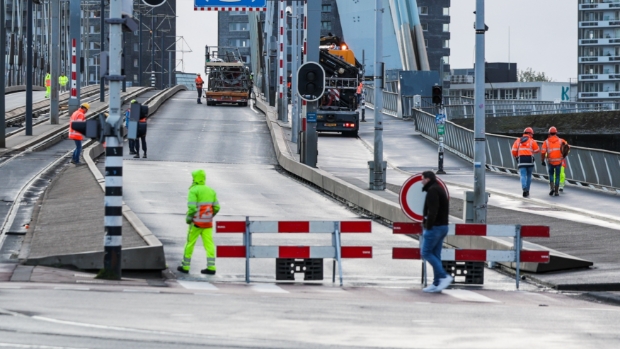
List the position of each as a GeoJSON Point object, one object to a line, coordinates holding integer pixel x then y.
{"type": "Point", "coordinates": [78, 115]}
{"type": "Point", "coordinates": [199, 83]}
{"type": "Point", "coordinates": [523, 150]}
{"type": "Point", "coordinates": [554, 150]}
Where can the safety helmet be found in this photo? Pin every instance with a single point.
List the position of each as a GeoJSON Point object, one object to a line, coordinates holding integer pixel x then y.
{"type": "Point", "coordinates": [133, 101]}
{"type": "Point", "coordinates": [553, 130]}
{"type": "Point", "coordinates": [85, 106]}
{"type": "Point", "coordinates": [106, 115]}
{"type": "Point", "coordinates": [528, 130]}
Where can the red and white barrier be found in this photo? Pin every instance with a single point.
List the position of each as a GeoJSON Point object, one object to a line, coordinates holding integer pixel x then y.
{"type": "Point", "coordinates": [74, 81]}
{"type": "Point", "coordinates": [336, 251]}
{"type": "Point", "coordinates": [466, 255]}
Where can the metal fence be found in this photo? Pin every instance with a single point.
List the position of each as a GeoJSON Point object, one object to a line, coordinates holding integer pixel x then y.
{"type": "Point", "coordinates": [587, 167]}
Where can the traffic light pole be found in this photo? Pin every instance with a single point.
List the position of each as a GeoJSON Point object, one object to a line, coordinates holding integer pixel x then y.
{"type": "Point", "coordinates": [101, 49]}
{"type": "Point", "coordinates": [313, 16]}
{"type": "Point", "coordinates": [113, 220]}
{"type": "Point", "coordinates": [2, 76]}
{"type": "Point", "coordinates": [480, 208]}
{"type": "Point", "coordinates": [294, 67]}
{"type": "Point", "coordinates": [29, 65]}
{"type": "Point", "coordinates": [440, 135]}
{"type": "Point", "coordinates": [378, 166]}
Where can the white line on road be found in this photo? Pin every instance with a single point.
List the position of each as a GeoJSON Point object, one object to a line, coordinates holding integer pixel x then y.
{"type": "Point", "coordinates": [69, 288]}
{"type": "Point", "coordinates": [268, 288]}
{"type": "Point", "coordinates": [197, 285]}
{"type": "Point", "coordinates": [140, 290]}
{"type": "Point", "coordinates": [469, 296]}
{"type": "Point", "coordinates": [11, 345]}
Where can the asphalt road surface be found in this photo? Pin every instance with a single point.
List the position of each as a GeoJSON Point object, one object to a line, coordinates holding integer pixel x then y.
{"type": "Point", "coordinates": [380, 306]}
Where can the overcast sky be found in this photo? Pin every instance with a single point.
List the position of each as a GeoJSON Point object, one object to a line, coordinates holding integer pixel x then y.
{"type": "Point", "coordinates": [543, 34]}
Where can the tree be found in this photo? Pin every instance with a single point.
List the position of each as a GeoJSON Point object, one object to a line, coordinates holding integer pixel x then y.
{"type": "Point", "coordinates": [529, 75]}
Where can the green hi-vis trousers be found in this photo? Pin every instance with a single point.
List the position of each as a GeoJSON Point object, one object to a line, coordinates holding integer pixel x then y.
{"type": "Point", "coordinates": [206, 234]}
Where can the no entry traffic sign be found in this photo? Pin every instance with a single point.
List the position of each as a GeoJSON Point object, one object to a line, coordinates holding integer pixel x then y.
{"type": "Point", "coordinates": [412, 197]}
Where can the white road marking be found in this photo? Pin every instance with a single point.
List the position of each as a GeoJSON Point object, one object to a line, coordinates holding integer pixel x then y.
{"type": "Point", "coordinates": [140, 290]}
{"type": "Point", "coordinates": [469, 296]}
{"type": "Point", "coordinates": [11, 345]}
{"type": "Point", "coordinates": [10, 286]}
{"type": "Point", "coordinates": [69, 288]}
{"type": "Point", "coordinates": [197, 285]}
{"type": "Point", "coordinates": [268, 288]}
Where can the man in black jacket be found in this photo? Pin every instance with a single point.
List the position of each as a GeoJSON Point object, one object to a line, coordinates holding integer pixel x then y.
{"type": "Point", "coordinates": [436, 210]}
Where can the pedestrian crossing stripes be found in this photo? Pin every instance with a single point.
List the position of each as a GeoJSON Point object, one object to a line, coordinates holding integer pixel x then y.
{"type": "Point", "coordinates": [468, 296]}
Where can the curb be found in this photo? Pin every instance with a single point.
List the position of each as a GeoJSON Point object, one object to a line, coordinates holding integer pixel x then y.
{"type": "Point", "coordinates": [605, 297]}
{"type": "Point", "coordinates": [20, 88]}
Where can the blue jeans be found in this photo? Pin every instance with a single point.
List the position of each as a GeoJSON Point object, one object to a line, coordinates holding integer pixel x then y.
{"type": "Point", "coordinates": [554, 173]}
{"type": "Point", "coordinates": [431, 250]}
{"type": "Point", "coordinates": [77, 151]}
{"type": "Point", "coordinates": [526, 177]}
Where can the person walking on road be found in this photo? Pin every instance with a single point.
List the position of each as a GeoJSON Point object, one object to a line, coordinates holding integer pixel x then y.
{"type": "Point", "coordinates": [131, 142]}
{"type": "Point", "coordinates": [435, 223]}
{"type": "Point", "coordinates": [48, 85]}
{"type": "Point", "coordinates": [141, 139]}
{"type": "Point", "coordinates": [563, 175]}
{"type": "Point", "coordinates": [62, 82]}
{"type": "Point", "coordinates": [202, 206]}
{"type": "Point", "coordinates": [523, 150]}
{"type": "Point", "coordinates": [199, 83]}
{"type": "Point", "coordinates": [554, 150]}
{"type": "Point", "coordinates": [78, 115]}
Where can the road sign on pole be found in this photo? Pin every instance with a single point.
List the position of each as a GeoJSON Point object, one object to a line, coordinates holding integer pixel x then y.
{"type": "Point", "coordinates": [440, 120]}
{"type": "Point", "coordinates": [412, 197]}
{"type": "Point", "coordinates": [228, 5]}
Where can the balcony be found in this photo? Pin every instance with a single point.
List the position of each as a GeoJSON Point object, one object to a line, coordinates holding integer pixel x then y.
{"type": "Point", "coordinates": [603, 41]}
{"type": "Point", "coordinates": [607, 5]}
{"type": "Point", "coordinates": [600, 24]}
{"type": "Point", "coordinates": [599, 77]}
{"type": "Point", "coordinates": [600, 95]}
{"type": "Point", "coordinates": [599, 59]}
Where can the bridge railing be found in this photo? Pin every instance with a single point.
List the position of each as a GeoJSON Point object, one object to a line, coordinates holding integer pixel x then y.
{"type": "Point", "coordinates": [585, 166]}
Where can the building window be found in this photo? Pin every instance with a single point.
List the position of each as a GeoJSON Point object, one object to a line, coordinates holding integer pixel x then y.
{"type": "Point", "coordinates": [527, 94]}
{"type": "Point", "coordinates": [446, 44]}
{"type": "Point", "coordinates": [239, 42]}
{"type": "Point", "coordinates": [92, 77]}
{"type": "Point", "coordinates": [135, 47]}
{"type": "Point", "coordinates": [326, 25]}
{"type": "Point", "coordinates": [326, 8]}
{"type": "Point", "coordinates": [135, 78]}
{"type": "Point", "coordinates": [423, 10]}
{"type": "Point", "coordinates": [446, 59]}
{"type": "Point", "coordinates": [237, 13]}
{"type": "Point", "coordinates": [135, 62]}
{"type": "Point", "coordinates": [446, 11]}
{"type": "Point", "coordinates": [426, 43]}
{"type": "Point", "coordinates": [237, 27]}
{"type": "Point", "coordinates": [446, 27]}
{"type": "Point", "coordinates": [425, 26]}
{"type": "Point", "coordinates": [508, 94]}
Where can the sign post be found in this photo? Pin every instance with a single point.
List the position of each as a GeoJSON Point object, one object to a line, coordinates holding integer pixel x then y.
{"type": "Point", "coordinates": [440, 120]}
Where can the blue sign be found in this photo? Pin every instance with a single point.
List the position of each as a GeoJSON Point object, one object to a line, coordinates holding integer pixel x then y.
{"type": "Point", "coordinates": [230, 3]}
{"type": "Point", "coordinates": [440, 119]}
{"type": "Point", "coordinates": [311, 117]}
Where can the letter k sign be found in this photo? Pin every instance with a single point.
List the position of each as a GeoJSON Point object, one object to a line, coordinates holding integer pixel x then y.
{"type": "Point", "coordinates": [565, 96]}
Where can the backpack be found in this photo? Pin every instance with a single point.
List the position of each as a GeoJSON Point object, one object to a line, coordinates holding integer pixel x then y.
{"type": "Point", "coordinates": [564, 149]}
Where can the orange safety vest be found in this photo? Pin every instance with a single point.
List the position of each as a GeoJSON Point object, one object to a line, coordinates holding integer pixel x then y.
{"type": "Point", "coordinates": [525, 150]}
{"type": "Point", "coordinates": [199, 82]}
{"type": "Point", "coordinates": [552, 150]}
{"type": "Point", "coordinates": [359, 88]}
{"type": "Point", "coordinates": [203, 218]}
{"type": "Point", "coordinates": [78, 115]}
{"type": "Point", "coordinates": [48, 82]}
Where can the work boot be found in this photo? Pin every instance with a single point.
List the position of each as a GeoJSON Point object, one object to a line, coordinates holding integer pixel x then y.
{"type": "Point", "coordinates": [180, 269]}
{"type": "Point", "coordinates": [561, 190]}
{"type": "Point", "coordinates": [137, 156]}
{"type": "Point", "coordinates": [526, 193]}
{"type": "Point", "coordinates": [208, 271]}
{"type": "Point", "coordinates": [551, 189]}
{"type": "Point", "coordinates": [199, 102]}
{"type": "Point", "coordinates": [556, 190]}
{"type": "Point", "coordinates": [144, 156]}
{"type": "Point", "coordinates": [132, 152]}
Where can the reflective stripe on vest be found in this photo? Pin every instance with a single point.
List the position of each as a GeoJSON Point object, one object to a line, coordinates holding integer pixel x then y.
{"type": "Point", "coordinates": [554, 155]}
{"type": "Point", "coordinates": [203, 218]}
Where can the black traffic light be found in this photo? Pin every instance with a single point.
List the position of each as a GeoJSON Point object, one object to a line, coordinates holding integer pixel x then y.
{"type": "Point", "coordinates": [154, 3]}
{"type": "Point", "coordinates": [92, 128]}
{"type": "Point", "coordinates": [136, 128]}
{"type": "Point", "coordinates": [437, 95]}
{"type": "Point", "coordinates": [310, 81]}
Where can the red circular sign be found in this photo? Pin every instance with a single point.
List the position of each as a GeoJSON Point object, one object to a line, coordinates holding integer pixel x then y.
{"type": "Point", "coordinates": [412, 197]}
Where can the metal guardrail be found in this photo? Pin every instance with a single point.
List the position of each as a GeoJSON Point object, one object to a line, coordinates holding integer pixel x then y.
{"type": "Point", "coordinates": [390, 103]}
{"type": "Point", "coordinates": [595, 168]}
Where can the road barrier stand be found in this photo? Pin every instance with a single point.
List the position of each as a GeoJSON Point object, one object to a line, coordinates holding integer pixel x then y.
{"type": "Point", "coordinates": [518, 232]}
{"type": "Point", "coordinates": [335, 251]}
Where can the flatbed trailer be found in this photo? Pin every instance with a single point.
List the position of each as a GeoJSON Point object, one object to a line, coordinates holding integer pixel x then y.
{"type": "Point", "coordinates": [228, 79]}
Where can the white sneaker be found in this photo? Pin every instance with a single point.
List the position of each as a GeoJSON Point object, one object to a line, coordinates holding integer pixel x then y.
{"type": "Point", "coordinates": [445, 282]}
{"type": "Point", "coordinates": [431, 289]}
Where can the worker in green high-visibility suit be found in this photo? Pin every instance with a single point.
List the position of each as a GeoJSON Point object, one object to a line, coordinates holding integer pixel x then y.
{"type": "Point", "coordinates": [48, 85]}
{"type": "Point", "coordinates": [202, 206]}
{"type": "Point", "coordinates": [62, 81]}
